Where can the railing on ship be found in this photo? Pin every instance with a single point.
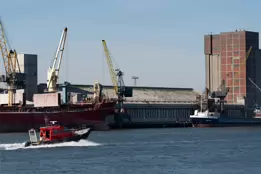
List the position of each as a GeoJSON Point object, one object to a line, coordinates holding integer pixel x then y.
{"type": "Point", "coordinates": [104, 100]}
{"type": "Point", "coordinates": [96, 100]}
{"type": "Point", "coordinates": [163, 101]}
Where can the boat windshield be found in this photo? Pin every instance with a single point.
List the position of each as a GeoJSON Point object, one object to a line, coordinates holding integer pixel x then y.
{"type": "Point", "coordinates": [66, 129]}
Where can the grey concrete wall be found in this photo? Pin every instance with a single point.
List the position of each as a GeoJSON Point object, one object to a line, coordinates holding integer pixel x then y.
{"type": "Point", "coordinates": [167, 113]}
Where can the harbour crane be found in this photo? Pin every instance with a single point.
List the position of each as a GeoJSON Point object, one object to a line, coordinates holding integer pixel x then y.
{"type": "Point", "coordinates": [14, 78]}
{"type": "Point", "coordinates": [117, 79]}
{"type": "Point", "coordinates": [53, 71]}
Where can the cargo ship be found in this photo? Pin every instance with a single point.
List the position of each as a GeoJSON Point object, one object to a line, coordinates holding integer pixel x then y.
{"type": "Point", "coordinates": [54, 106]}
{"type": "Point", "coordinates": [212, 114]}
{"type": "Point", "coordinates": [53, 103]}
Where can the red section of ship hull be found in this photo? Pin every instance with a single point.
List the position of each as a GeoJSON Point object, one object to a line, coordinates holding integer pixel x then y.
{"type": "Point", "coordinates": [204, 125]}
{"type": "Point", "coordinates": [22, 121]}
{"type": "Point", "coordinates": [257, 115]}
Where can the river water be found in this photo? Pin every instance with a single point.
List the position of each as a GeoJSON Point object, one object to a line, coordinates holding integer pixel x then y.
{"type": "Point", "coordinates": [141, 151]}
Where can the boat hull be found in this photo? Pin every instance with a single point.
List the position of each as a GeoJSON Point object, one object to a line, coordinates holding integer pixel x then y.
{"type": "Point", "coordinates": [75, 138]}
{"type": "Point", "coordinates": [226, 122]}
{"type": "Point", "coordinates": [204, 122]}
{"type": "Point", "coordinates": [22, 121]}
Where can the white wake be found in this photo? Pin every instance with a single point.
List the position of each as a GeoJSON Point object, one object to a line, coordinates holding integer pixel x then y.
{"type": "Point", "coordinates": [81, 143]}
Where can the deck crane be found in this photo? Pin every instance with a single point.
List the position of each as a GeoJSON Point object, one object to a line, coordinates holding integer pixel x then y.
{"type": "Point", "coordinates": [53, 72]}
{"type": "Point", "coordinates": [14, 78]}
{"type": "Point", "coordinates": [119, 87]}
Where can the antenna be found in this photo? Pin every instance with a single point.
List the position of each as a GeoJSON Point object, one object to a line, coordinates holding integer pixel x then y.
{"type": "Point", "coordinates": [135, 79]}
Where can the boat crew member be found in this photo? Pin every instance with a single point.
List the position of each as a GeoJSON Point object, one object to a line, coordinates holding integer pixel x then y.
{"type": "Point", "coordinates": [41, 136]}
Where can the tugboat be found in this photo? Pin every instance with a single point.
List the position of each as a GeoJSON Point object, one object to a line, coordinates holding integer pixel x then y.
{"type": "Point", "coordinates": [54, 133]}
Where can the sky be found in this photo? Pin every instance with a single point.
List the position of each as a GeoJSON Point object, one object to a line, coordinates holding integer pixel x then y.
{"type": "Point", "coordinates": [160, 41]}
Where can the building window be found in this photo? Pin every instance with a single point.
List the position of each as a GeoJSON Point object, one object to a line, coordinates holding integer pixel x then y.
{"type": "Point", "coordinates": [236, 82]}
{"type": "Point", "coordinates": [235, 69]}
{"type": "Point", "coordinates": [236, 89]}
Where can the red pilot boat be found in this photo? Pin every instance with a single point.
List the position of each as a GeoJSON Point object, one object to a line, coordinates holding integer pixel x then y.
{"type": "Point", "coordinates": [55, 133]}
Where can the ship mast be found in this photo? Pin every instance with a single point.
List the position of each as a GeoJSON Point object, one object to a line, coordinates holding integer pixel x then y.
{"type": "Point", "coordinates": [201, 104]}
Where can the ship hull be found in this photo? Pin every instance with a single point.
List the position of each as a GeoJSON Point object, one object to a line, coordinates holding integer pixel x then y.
{"type": "Point", "coordinates": [226, 122]}
{"type": "Point", "coordinates": [204, 122]}
{"type": "Point", "coordinates": [91, 116]}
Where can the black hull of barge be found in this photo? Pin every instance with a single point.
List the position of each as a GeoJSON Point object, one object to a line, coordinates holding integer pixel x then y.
{"type": "Point", "coordinates": [225, 122]}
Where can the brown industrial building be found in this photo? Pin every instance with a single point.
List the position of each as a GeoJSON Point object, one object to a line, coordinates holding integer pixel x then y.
{"type": "Point", "coordinates": [226, 59]}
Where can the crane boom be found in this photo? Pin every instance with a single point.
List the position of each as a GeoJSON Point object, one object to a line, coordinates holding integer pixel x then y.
{"type": "Point", "coordinates": [9, 56]}
{"type": "Point", "coordinates": [111, 69]}
{"type": "Point", "coordinates": [5, 50]}
{"type": "Point", "coordinates": [248, 52]}
{"type": "Point", "coordinates": [254, 84]}
{"type": "Point", "coordinates": [53, 72]}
